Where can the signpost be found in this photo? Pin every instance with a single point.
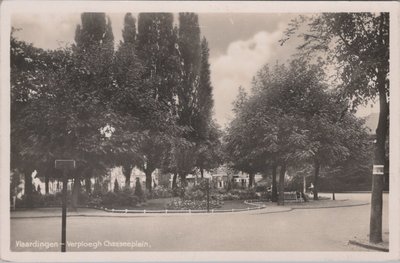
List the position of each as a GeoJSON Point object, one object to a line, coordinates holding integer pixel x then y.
{"type": "Point", "coordinates": [208, 195]}
{"type": "Point", "coordinates": [378, 170]}
{"type": "Point", "coordinates": [64, 165]}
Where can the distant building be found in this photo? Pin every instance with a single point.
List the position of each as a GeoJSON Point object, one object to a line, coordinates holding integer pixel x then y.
{"type": "Point", "coordinates": [220, 178]}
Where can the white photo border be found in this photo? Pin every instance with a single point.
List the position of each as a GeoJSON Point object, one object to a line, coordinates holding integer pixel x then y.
{"type": "Point", "coordinates": [10, 7]}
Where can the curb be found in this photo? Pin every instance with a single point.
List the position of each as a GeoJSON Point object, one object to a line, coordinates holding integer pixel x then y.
{"type": "Point", "coordinates": [140, 213]}
{"type": "Point", "coordinates": [324, 207]}
{"type": "Point", "coordinates": [154, 212]}
{"type": "Point", "coordinates": [368, 246]}
{"type": "Point", "coordinates": [291, 208]}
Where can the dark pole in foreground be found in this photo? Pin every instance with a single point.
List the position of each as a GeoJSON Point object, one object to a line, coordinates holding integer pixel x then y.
{"type": "Point", "coordinates": [64, 165]}
{"type": "Point", "coordinates": [208, 195]}
{"type": "Point", "coordinates": [376, 204]}
{"type": "Point", "coordinates": [64, 211]}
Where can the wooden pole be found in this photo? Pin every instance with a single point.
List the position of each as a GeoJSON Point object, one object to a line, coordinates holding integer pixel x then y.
{"type": "Point", "coordinates": [64, 212]}
{"type": "Point", "coordinates": [208, 195]}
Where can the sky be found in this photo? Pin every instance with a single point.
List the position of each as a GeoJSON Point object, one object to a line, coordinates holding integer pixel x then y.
{"type": "Point", "coordinates": [240, 44]}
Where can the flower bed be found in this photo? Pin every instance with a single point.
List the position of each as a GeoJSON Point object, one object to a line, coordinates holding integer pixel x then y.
{"type": "Point", "coordinates": [178, 204]}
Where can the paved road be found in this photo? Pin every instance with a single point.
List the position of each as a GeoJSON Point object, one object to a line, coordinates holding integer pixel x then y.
{"type": "Point", "coordinates": [326, 229]}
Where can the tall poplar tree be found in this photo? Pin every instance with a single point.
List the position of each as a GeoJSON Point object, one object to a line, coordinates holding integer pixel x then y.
{"type": "Point", "coordinates": [187, 93]}
{"type": "Point", "coordinates": [129, 97]}
{"type": "Point", "coordinates": [129, 30]}
{"type": "Point", "coordinates": [93, 82]}
{"type": "Point", "coordinates": [208, 145]}
{"type": "Point", "coordinates": [157, 48]}
{"type": "Point", "coordinates": [190, 48]}
{"type": "Point", "coordinates": [205, 102]}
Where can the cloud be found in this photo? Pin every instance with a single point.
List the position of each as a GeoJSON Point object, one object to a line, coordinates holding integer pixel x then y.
{"type": "Point", "coordinates": [52, 31]}
{"type": "Point", "coordinates": [240, 63]}
{"type": "Point", "coordinates": [48, 31]}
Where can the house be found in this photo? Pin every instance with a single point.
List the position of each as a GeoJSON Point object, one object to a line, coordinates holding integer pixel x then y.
{"type": "Point", "coordinates": [243, 179]}
{"type": "Point", "coordinates": [220, 178]}
{"type": "Point", "coordinates": [117, 174]}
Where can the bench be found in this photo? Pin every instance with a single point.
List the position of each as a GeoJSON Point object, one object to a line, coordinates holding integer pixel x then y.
{"type": "Point", "coordinates": [292, 196]}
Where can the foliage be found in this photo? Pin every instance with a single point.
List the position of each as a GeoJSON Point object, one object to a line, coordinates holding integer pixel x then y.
{"type": "Point", "coordinates": [147, 104]}
{"type": "Point", "coordinates": [129, 31]}
{"type": "Point", "coordinates": [357, 45]}
{"type": "Point", "coordinates": [291, 118]}
{"type": "Point", "coordinates": [178, 204]}
{"type": "Point", "coordinates": [15, 189]}
{"type": "Point", "coordinates": [121, 199]}
{"type": "Point", "coordinates": [157, 48]}
{"type": "Point", "coordinates": [205, 102]}
{"type": "Point", "coordinates": [39, 200]}
{"type": "Point", "coordinates": [138, 189]}
{"type": "Point", "coordinates": [190, 49]}
{"type": "Point", "coordinates": [161, 192]}
{"type": "Point", "coordinates": [116, 186]}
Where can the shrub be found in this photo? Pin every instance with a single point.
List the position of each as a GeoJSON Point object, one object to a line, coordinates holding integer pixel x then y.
{"type": "Point", "coordinates": [228, 197]}
{"type": "Point", "coordinates": [52, 199]}
{"type": "Point", "coordinates": [195, 195]}
{"type": "Point", "coordinates": [161, 192]}
{"type": "Point", "coordinates": [20, 202]}
{"type": "Point", "coordinates": [109, 199]}
{"type": "Point", "coordinates": [97, 189]}
{"type": "Point", "coordinates": [123, 198]}
{"type": "Point", "coordinates": [38, 199]}
{"type": "Point", "coordinates": [261, 188]}
{"type": "Point", "coordinates": [222, 191]}
{"type": "Point", "coordinates": [116, 186]}
{"type": "Point", "coordinates": [266, 196]}
{"type": "Point", "coordinates": [138, 189]}
{"type": "Point", "coordinates": [239, 194]}
{"type": "Point", "coordinates": [95, 201]}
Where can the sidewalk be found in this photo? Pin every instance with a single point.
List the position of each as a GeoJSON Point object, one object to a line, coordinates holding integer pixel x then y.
{"type": "Point", "coordinates": [364, 242]}
{"type": "Point", "coordinates": [325, 203]}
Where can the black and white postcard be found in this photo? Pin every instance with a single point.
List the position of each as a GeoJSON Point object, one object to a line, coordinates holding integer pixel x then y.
{"type": "Point", "coordinates": [199, 131]}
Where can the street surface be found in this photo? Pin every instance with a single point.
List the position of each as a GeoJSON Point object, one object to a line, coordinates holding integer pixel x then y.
{"type": "Point", "coordinates": [313, 229]}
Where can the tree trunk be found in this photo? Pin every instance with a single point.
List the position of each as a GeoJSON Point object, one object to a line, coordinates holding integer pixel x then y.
{"type": "Point", "coordinates": [202, 172]}
{"type": "Point", "coordinates": [274, 190]}
{"type": "Point", "coordinates": [316, 175]}
{"type": "Point", "coordinates": [333, 196]}
{"type": "Point", "coordinates": [88, 185]}
{"type": "Point", "coordinates": [182, 176]}
{"type": "Point", "coordinates": [126, 170]}
{"type": "Point", "coordinates": [282, 171]}
{"type": "Point", "coordinates": [183, 179]}
{"type": "Point", "coordinates": [375, 229]}
{"type": "Point", "coordinates": [76, 189]}
{"type": "Point", "coordinates": [28, 188]}
{"type": "Point", "coordinates": [148, 180]}
{"type": "Point", "coordinates": [251, 180]}
{"type": "Point", "coordinates": [174, 184]}
{"type": "Point", "coordinates": [46, 184]}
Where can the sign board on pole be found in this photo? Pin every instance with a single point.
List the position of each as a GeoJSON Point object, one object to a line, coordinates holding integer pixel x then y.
{"type": "Point", "coordinates": [378, 170]}
{"type": "Point", "coordinates": [64, 164]}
